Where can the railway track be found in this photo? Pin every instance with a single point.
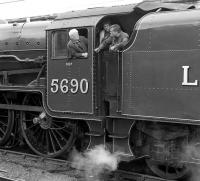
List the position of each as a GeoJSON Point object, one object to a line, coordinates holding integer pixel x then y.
{"type": "Point", "coordinates": [121, 175]}
{"type": "Point", "coordinates": [29, 163]}
{"type": "Point", "coordinates": [118, 176]}
{"type": "Point", "coordinates": [7, 179]}
{"type": "Point", "coordinates": [31, 160]}
{"type": "Point", "coordinates": [56, 166]}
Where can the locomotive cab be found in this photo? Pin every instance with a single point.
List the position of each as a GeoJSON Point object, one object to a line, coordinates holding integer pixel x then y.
{"type": "Point", "coordinates": [81, 85]}
{"type": "Point", "coordinates": [84, 89]}
{"type": "Point", "coordinates": [70, 80]}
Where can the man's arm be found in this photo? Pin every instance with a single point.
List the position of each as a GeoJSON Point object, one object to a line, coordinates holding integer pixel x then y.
{"type": "Point", "coordinates": [73, 53]}
{"type": "Point", "coordinates": [101, 36]}
{"type": "Point", "coordinates": [108, 41]}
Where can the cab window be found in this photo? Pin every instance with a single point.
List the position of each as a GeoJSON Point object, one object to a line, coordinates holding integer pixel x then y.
{"type": "Point", "coordinates": [59, 42]}
{"type": "Point", "coordinates": [83, 32]}
{"type": "Point", "coordinates": [78, 48]}
{"type": "Point", "coordinates": [60, 39]}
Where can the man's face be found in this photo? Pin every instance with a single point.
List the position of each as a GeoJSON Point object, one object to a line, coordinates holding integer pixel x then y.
{"type": "Point", "coordinates": [106, 27]}
{"type": "Point", "coordinates": [113, 33]}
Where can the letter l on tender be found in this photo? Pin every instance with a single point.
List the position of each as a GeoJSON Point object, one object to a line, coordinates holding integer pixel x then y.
{"type": "Point", "coordinates": [186, 77]}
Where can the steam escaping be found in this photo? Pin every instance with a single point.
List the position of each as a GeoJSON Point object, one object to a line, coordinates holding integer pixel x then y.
{"type": "Point", "coordinates": [192, 154]}
{"type": "Point", "coordinates": [95, 162]}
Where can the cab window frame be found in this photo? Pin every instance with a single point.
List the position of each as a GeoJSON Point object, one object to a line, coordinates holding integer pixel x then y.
{"type": "Point", "coordinates": [54, 44]}
{"type": "Point", "coordinates": [54, 55]}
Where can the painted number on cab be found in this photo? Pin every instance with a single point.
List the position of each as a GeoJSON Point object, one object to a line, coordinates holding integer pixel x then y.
{"type": "Point", "coordinates": [66, 86]}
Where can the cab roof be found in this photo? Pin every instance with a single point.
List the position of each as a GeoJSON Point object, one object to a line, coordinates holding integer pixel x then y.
{"type": "Point", "coordinates": [96, 11]}
{"type": "Point", "coordinates": [88, 17]}
{"type": "Point", "coordinates": [144, 6]}
{"type": "Point", "coordinates": [91, 16]}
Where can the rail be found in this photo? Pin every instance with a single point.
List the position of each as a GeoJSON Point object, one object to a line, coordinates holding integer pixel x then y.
{"type": "Point", "coordinates": [7, 178]}
{"type": "Point", "coordinates": [121, 175]}
{"type": "Point", "coordinates": [31, 160]}
{"type": "Point", "coordinates": [64, 166]}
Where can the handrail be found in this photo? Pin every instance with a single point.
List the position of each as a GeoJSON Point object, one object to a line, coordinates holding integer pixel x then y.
{"type": "Point", "coordinates": [119, 53]}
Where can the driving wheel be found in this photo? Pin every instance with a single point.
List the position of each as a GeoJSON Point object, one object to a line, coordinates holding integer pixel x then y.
{"type": "Point", "coordinates": [45, 135]}
{"type": "Point", "coordinates": [167, 170]}
{"type": "Point", "coordinates": [6, 121]}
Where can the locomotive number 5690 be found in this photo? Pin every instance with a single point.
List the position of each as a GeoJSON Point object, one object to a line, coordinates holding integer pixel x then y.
{"type": "Point", "coordinates": [72, 86]}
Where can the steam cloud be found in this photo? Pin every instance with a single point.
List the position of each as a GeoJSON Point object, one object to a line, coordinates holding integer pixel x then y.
{"type": "Point", "coordinates": [192, 151]}
{"type": "Point", "coordinates": [95, 162]}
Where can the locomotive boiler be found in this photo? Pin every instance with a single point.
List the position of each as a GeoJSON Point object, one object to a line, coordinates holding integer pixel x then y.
{"type": "Point", "coordinates": [141, 101]}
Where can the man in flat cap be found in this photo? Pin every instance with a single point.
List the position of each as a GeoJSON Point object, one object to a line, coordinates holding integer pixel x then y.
{"type": "Point", "coordinates": [78, 45]}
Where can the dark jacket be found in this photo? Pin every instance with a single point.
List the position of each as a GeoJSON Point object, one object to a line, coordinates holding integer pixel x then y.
{"type": "Point", "coordinates": [76, 49]}
{"type": "Point", "coordinates": [119, 42]}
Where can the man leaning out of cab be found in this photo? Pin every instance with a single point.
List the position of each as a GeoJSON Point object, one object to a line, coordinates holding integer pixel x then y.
{"type": "Point", "coordinates": [78, 45]}
{"type": "Point", "coordinates": [117, 40]}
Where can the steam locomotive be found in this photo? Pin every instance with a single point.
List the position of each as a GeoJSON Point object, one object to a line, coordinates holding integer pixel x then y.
{"type": "Point", "coordinates": [141, 101]}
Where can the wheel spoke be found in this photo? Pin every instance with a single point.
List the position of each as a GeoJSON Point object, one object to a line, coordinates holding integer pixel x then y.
{"type": "Point", "coordinates": [61, 136]}
{"type": "Point", "coordinates": [30, 127]}
{"type": "Point", "coordinates": [1, 135]}
{"type": "Point", "coordinates": [36, 131]}
{"type": "Point", "coordinates": [32, 114]}
{"type": "Point", "coordinates": [47, 140]}
{"type": "Point", "coordinates": [43, 137]}
{"type": "Point", "coordinates": [39, 135]}
{"type": "Point", "coordinates": [4, 124]}
{"type": "Point", "coordinates": [55, 137]}
{"type": "Point", "coordinates": [52, 142]}
{"type": "Point", "coordinates": [2, 131]}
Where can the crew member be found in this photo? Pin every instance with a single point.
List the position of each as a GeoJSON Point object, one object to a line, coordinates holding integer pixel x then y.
{"type": "Point", "coordinates": [117, 40]}
{"type": "Point", "coordinates": [78, 45]}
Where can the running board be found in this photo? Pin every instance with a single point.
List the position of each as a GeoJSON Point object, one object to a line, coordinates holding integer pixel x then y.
{"type": "Point", "coordinates": [21, 107]}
